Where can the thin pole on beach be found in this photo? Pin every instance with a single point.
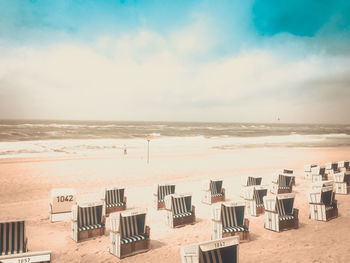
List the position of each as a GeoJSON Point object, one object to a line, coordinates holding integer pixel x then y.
{"type": "Point", "coordinates": [148, 138]}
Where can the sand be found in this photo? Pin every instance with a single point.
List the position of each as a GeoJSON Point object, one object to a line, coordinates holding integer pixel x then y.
{"type": "Point", "coordinates": [25, 185]}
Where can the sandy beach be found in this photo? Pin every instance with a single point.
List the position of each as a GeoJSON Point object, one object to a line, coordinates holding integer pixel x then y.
{"type": "Point", "coordinates": [25, 185]}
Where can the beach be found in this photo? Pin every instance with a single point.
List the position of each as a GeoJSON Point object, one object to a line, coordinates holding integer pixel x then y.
{"type": "Point", "coordinates": [26, 182]}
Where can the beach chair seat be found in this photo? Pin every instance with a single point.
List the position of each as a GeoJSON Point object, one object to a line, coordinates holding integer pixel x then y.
{"type": "Point", "coordinates": [228, 220]}
{"type": "Point", "coordinates": [282, 183]}
{"type": "Point", "coordinates": [114, 199]}
{"type": "Point", "coordinates": [224, 250]}
{"type": "Point", "coordinates": [253, 196]}
{"type": "Point", "coordinates": [14, 247]}
{"type": "Point", "coordinates": [162, 191]}
{"type": "Point", "coordinates": [179, 210]}
{"type": "Point", "coordinates": [280, 213]}
{"type": "Point", "coordinates": [212, 191]}
{"type": "Point", "coordinates": [323, 205]}
{"type": "Point", "coordinates": [88, 220]}
{"type": "Point", "coordinates": [342, 182]}
{"type": "Point", "coordinates": [129, 234]}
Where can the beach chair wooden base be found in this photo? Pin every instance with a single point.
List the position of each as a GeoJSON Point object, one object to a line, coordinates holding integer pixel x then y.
{"type": "Point", "coordinates": [83, 235]}
{"type": "Point", "coordinates": [38, 257]}
{"type": "Point", "coordinates": [289, 224]}
{"type": "Point", "coordinates": [243, 236]}
{"type": "Point", "coordinates": [129, 249]}
{"type": "Point", "coordinates": [209, 199]}
{"type": "Point", "coordinates": [260, 210]}
{"type": "Point", "coordinates": [284, 191]}
{"type": "Point", "coordinates": [160, 205]}
{"type": "Point", "coordinates": [110, 210]}
{"type": "Point", "coordinates": [182, 221]}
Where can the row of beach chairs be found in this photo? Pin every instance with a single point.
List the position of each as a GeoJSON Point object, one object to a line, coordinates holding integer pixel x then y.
{"type": "Point", "coordinates": [130, 235]}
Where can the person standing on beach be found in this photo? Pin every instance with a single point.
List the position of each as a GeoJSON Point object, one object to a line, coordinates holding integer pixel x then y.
{"type": "Point", "coordinates": [125, 150]}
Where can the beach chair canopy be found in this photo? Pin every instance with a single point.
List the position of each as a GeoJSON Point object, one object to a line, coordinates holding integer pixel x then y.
{"type": "Point", "coordinates": [251, 180]}
{"type": "Point", "coordinates": [216, 187]}
{"type": "Point", "coordinates": [332, 166]}
{"type": "Point", "coordinates": [283, 180]}
{"type": "Point", "coordinates": [343, 164]}
{"type": "Point", "coordinates": [12, 238]}
{"type": "Point", "coordinates": [308, 167]}
{"type": "Point", "coordinates": [322, 195]}
{"type": "Point", "coordinates": [318, 170]}
{"type": "Point", "coordinates": [179, 204]}
{"type": "Point", "coordinates": [256, 192]}
{"type": "Point", "coordinates": [283, 204]}
{"type": "Point", "coordinates": [232, 216]}
{"type": "Point", "coordinates": [164, 190]}
{"type": "Point", "coordinates": [131, 225]}
{"type": "Point", "coordinates": [90, 216]}
{"type": "Point", "coordinates": [114, 196]}
{"type": "Point", "coordinates": [219, 251]}
{"type": "Point", "coordinates": [321, 184]}
{"type": "Point", "coordinates": [286, 171]}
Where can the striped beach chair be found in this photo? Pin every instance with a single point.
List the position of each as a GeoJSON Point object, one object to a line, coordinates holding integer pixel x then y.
{"type": "Point", "coordinates": [289, 172]}
{"type": "Point", "coordinates": [307, 170]}
{"type": "Point", "coordinates": [179, 210]}
{"type": "Point", "coordinates": [323, 205]}
{"type": "Point", "coordinates": [114, 199]}
{"type": "Point", "coordinates": [342, 182]}
{"type": "Point", "coordinates": [212, 191]}
{"type": "Point", "coordinates": [253, 197]}
{"type": "Point", "coordinates": [331, 168]}
{"type": "Point", "coordinates": [224, 250]}
{"type": "Point", "coordinates": [280, 213]}
{"type": "Point", "coordinates": [228, 220]}
{"type": "Point", "coordinates": [318, 174]}
{"type": "Point", "coordinates": [129, 233]}
{"type": "Point", "coordinates": [281, 183]}
{"type": "Point", "coordinates": [88, 220]}
{"type": "Point", "coordinates": [162, 191]}
{"type": "Point", "coordinates": [247, 181]}
{"type": "Point", "coordinates": [13, 244]}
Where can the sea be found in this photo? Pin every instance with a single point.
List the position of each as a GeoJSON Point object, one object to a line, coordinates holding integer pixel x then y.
{"type": "Point", "coordinates": [20, 138]}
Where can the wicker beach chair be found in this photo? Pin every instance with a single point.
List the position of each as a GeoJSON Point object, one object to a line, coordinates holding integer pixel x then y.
{"type": "Point", "coordinates": [129, 233]}
{"type": "Point", "coordinates": [228, 220]}
{"type": "Point", "coordinates": [212, 191]}
{"type": "Point", "coordinates": [342, 182]}
{"type": "Point", "coordinates": [179, 210]}
{"type": "Point", "coordinates": [253, 197]}
{"type": "Point", "coordinates": [247, 181]}
{"type": "Point", "coordinates": [323, 205]}
{"type": "Point", "coordinates": [13, 244]}
{"type": "Point", "coordinates": [162, 191]}
{"type": "Point", "coordinates": [224, 250]}
{"type": "Point", "coordinates": [280, 213]}
{"type": "Point", "coordinates": [318, 174]}
{"type": "Point", "coordinates": [61, 202]}
{"type": "Point", "coordinates": [281, 183]}
{"type": "Point", "coordinates": [289, 172]}
{"type": "Point", "coordinates": [343, 166]}
{"type": "Point", "coordinates": [308, 169]}
{"type": "Point", "coordinates": [88, 220]}
{"type": "Point", "coordinates": [114, 199]}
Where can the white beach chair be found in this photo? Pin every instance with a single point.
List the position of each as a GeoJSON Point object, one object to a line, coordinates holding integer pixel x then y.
{"type": "Point", "coordinates": [114, 199]}
{"type": "Point", "coordinates": [331, 168]}
{"type": "Point", "coordinates": [342, 182]}
{"type": "Point", "coordinates": [179, 210]}
{"type": "Point", "coordinates": [281, 183]}
{"type": "Point", "coordinates": [228, 220]}
{"type": "Point", "coordinates": [129, 233]}
{"type": "Point", "coordinates": [307, 170]}
{"type": "Point", "coordinates": [323, 205]}
{"type": "Point", "coordinates": [280, 213]}
{"type": "Point", "coordinates": [13, 244]}
{"type": "Point", "coordinates": [253, 197]}
{"type": "Point", "coordinates": [162, 191]}
{"type": "Point", "coordinates": [88, 220]}
{"type": "Point", "coordinates": [212, 191]}
{"type": "Point", "coordinates": [343, 166]}
{"type": "Point", "coordinates": [61, 202]}
{"type": "Point", "coordinates": [224, 250]}
{"type": "Point", "coordinates": [289, 172]}
{"type": "Point", "coordinates": [247, 181]}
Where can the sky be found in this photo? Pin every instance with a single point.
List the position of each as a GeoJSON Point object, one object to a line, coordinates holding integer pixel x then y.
{"type": "Point", "coordinates": [220, 61]}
